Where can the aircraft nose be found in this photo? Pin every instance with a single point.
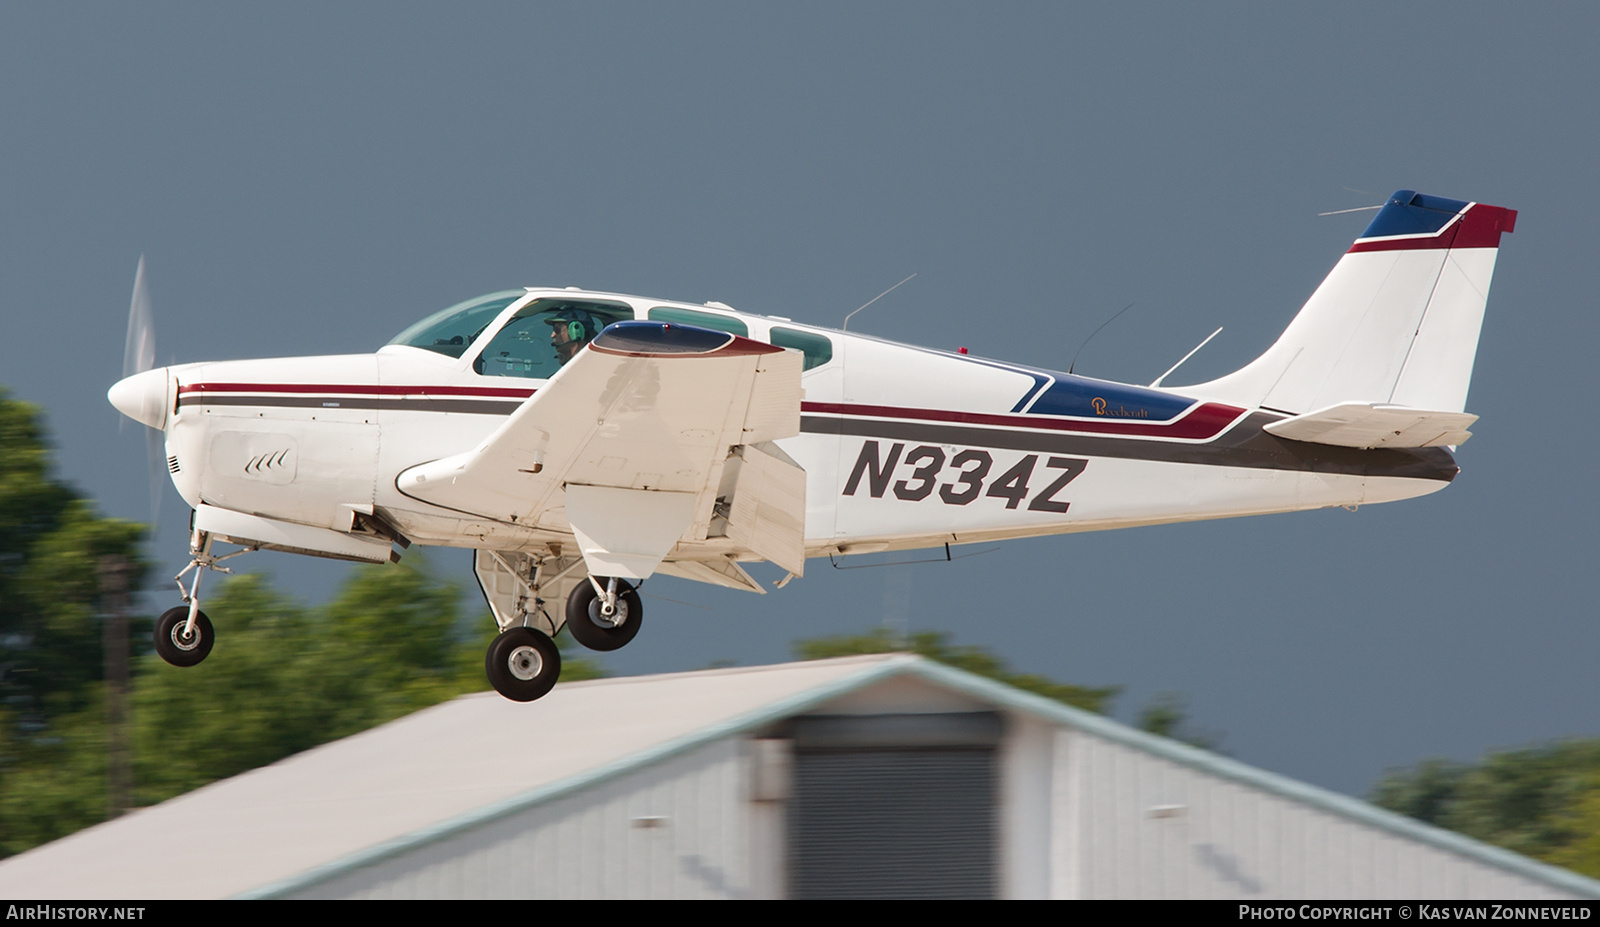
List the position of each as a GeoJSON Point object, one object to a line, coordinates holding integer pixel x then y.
{"type": "Point", "coordinates": [142, 397]}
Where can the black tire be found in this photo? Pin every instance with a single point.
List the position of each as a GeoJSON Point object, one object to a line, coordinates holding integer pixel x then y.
{"type": "Point", "coordinates": [173, 646]}
{"type": "Point", "coordinates": [523, 664]}
{"type": "Point", "coordinates": [595, 631]}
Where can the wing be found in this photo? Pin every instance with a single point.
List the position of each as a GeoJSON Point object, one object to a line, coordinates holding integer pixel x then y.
{"type": "Point", "coordinates": [628, 444]}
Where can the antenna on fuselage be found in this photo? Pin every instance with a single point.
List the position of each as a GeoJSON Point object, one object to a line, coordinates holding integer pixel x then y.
{"type": "Point", "coordinates": [1192, 352]}
{"type": "Point", "coordinates": [846, 325]}
{"type": "Point", "coordinates": [1092, 334]}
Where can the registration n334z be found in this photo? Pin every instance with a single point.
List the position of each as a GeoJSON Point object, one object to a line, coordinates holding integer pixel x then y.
{"type": "Point", "coordinates": [967, 475]}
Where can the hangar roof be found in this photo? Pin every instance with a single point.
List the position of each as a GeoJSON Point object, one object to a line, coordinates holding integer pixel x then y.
{"type": "Point", "coordinates": [474, 759]}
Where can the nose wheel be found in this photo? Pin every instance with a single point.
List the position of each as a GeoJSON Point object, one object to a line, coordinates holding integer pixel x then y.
{"type": "Point", "coordinates": [523, 664]}
{"type": "Point", "coordinates": [179, 643]}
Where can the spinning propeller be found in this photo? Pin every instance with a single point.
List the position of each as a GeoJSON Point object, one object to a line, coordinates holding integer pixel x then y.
{"type": "Point", "coordinates": [141, 393]}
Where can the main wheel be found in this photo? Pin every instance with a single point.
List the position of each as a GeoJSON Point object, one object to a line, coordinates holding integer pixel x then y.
{"type": "Point", "coordinates": [596, 630]}
{"type": "Point", "coordinates": [178, 648]}
{"type": "Point", "coordinates": [523, 664]}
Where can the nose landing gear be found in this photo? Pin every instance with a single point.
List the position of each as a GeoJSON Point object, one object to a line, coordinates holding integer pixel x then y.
{"type": "Point", "coordinates": [184, 635]}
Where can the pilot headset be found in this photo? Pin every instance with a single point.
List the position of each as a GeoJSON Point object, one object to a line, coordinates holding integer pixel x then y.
{"type": "Point", "coordinates": [578, 323]}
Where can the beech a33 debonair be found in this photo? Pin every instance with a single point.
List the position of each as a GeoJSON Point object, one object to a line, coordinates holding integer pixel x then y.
{"type": "Point", "coordinates": [581, 442]}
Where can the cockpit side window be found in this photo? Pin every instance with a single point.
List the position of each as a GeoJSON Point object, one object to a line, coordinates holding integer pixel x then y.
{"type": "Point", "coordinates": [545, 334]}
{"type": "Point", "coordinates": [722, 323]}
{"type": "Point", "coordinates": [818, 349]}
{"type": "Point", "coordinates": [451, 331]}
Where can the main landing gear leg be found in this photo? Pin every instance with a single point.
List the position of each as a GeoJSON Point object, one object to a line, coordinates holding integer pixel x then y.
{"type": "Point", "coordinates": [604, 617]}
{"type": "Point", "coordinates": [523, 663]}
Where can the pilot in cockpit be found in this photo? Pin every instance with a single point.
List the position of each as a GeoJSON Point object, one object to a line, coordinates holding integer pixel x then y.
{"type": "Point", "coordinates": [570, 330]}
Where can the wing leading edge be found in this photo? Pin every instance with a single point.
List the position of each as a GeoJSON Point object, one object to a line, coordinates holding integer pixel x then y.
{"type": "Point", "coordinates": [628, 446]}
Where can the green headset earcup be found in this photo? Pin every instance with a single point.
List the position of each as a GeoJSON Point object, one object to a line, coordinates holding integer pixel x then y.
{"type": "Point", "coordinates": [575, 331]}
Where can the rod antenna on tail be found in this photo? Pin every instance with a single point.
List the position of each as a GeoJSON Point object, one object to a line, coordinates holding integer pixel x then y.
{"type": "Point", "coordinates": [1192, 352]}
{"type": "Point", "coordinates": [846, 325]}
{"type": "Point", "coordinates": [1340, 212]}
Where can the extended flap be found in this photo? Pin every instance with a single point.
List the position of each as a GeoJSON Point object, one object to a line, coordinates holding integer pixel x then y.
{"type": "Point", "coordinates": [767, 514]}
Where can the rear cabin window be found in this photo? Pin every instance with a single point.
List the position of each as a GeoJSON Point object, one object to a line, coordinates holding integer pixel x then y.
{"type": "Point", "coordinates": [818, 349]}
{"type": "Point", "coordinates": [711, 320]}
{"type": "Point", "coordinates": [545, 334]}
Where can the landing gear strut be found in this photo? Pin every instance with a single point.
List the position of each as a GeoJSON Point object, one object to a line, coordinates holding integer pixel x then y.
{"type": "Point", "coordinates": [523, 663]}
{"type": "Point", "coordinates": [184, 635]}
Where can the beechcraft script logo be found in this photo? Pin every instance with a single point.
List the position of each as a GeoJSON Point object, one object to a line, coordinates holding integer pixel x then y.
{"type": "Point", "coordinates": [965, 476]}
{"type": "Point", "coordinates": [1121, 411]}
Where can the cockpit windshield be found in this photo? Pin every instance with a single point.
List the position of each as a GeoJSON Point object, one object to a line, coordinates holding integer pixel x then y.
{"type": "Point", "coordinates": [545, 334]}
{"type": "Point", "coordinates": [451, 331]}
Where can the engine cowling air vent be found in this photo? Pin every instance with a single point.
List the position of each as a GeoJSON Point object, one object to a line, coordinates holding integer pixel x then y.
{"type": "Point", "coordinates": [172, 464]}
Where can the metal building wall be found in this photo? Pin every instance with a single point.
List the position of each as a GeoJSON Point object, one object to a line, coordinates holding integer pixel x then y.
{"type": "Point", "coordinates": [1084, 813]}
{"type": "Point", "coordinates": [679, 828]}
{"type": "Point", "coordinates": [1129, 823]}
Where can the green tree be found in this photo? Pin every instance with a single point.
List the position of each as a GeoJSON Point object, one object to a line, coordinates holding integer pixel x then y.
{"type": "Point", "coordinates": [57, 783]}
{"type": "Point", "coordinates": [1582, 853]}
{"type": "Point", "coordinates": [285, 678]}
{"type": "Point", "coordinates": [935, 646]}
{"type": "Point", "coordinates": [52, 729]}
{"type": "Point", "coordinates": [1543, 802]}
{"type": "Point", "coordinates": [51, 546]}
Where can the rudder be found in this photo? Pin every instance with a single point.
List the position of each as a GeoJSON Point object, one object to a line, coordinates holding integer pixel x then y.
{"type": "Point", "coordinates": [1395, 322]}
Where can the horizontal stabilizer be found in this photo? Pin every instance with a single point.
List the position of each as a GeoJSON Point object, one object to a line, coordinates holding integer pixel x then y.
{"type": "Point", "coordinates": [1363, 424]}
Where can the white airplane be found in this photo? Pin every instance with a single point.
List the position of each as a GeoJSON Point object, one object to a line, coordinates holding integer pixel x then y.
{"type": "Point", "coordinates": [581, 442]}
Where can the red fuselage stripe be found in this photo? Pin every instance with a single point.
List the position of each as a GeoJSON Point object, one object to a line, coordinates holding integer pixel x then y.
{"type": "Point", "coordinates": [357, 389]}
{"type": "Point", "coordinates": [1199, 423]}
{"type": "Point", "coordinates": [1204, 421]}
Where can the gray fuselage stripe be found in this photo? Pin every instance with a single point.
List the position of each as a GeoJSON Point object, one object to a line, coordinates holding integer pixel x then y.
{"type": "Point", "coordinates": [1245, 445]}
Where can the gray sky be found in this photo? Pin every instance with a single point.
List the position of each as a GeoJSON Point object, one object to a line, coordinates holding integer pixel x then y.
{"type": "Point", "coordinates": [311, 178]}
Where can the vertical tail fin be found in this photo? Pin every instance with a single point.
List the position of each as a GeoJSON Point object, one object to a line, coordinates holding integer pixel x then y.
{"type": "Point", "coordinates": [1396, 321]}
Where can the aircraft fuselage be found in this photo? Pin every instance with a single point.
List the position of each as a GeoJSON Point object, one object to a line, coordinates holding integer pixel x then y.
{"type": "Point", "coordinates": [903, 447]}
